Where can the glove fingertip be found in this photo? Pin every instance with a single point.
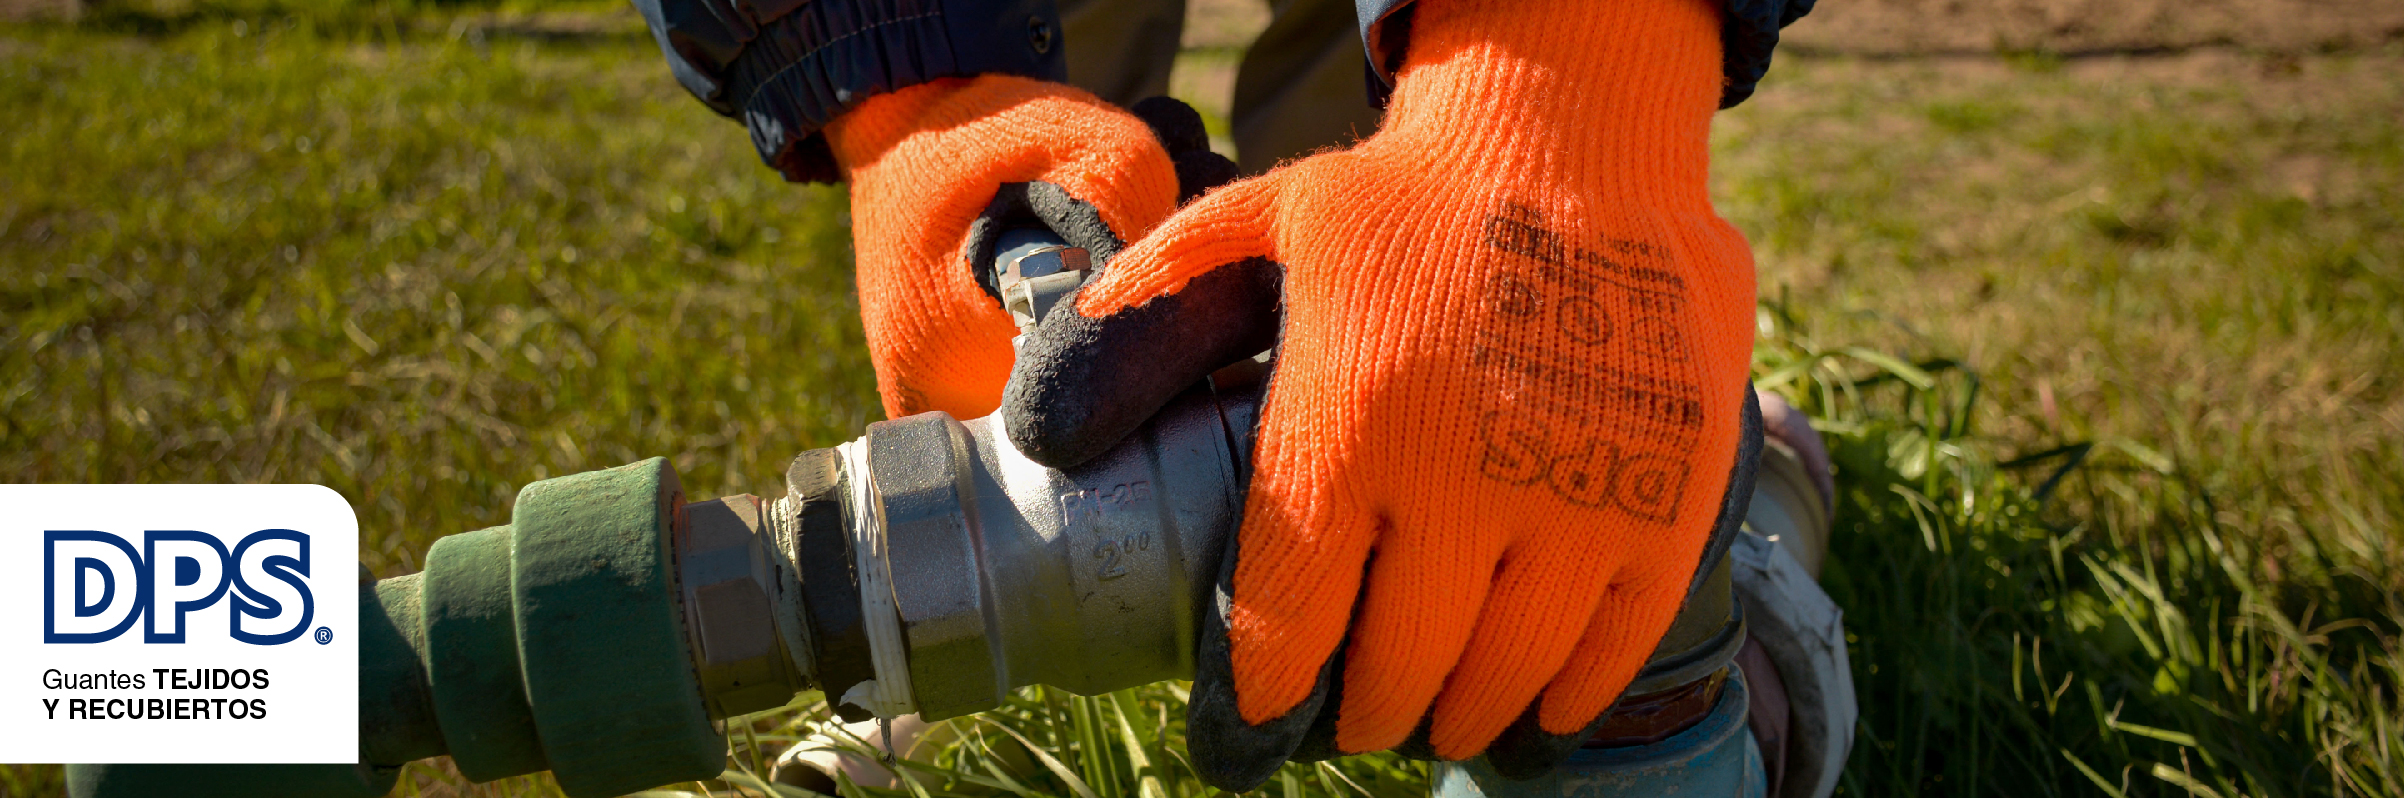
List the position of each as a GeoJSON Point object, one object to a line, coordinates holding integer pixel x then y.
{"type": "Point", "coordinates": [1199, 171]}
{"type": "Point", "coordinates": [1178, 126]}
{"type": "Point", "coordinates": [1525, 750]}
{"type": "Point", "coordinates": [1319, 741]}
{"type": "Point", "coordinates": [1234, 755]}
{"type": "Point", "coordinates": [1421, 744]}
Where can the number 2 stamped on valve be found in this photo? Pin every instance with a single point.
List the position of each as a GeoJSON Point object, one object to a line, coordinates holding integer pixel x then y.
{"type": "Point", "coordinates": [1083, 509]}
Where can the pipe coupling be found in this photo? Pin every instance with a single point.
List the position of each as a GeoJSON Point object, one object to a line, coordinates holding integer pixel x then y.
{"type": "Point", "coordinates": [732, 587]}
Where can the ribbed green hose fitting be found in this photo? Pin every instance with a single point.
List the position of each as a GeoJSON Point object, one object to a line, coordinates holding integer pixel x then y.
{"type": "Point", "coordinates": [560, 645]}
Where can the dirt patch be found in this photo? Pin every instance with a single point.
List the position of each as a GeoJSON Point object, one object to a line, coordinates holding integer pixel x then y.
{"type": "Point", "coordinates": [1916, 27]}
{"type": "Point", "coordinates": [1921, 27]}
{"type": "Point", "coordinates": [13, 10]}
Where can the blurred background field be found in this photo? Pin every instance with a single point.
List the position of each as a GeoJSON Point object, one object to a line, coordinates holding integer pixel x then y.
{"type": "Point", "coordinates": [2101, 308]}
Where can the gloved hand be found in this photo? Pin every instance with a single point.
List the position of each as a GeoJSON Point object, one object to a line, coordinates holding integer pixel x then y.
{"type": "Point", "coordinates": [937, 170]}
{"type": "Point", "coordinates": [1512, 344]}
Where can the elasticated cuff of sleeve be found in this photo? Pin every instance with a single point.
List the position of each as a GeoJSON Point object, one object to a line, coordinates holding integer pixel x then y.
{"type": "Point", "coordinates": [1748, 34]}
{"type": "Point", "coordinates": [787, 67]}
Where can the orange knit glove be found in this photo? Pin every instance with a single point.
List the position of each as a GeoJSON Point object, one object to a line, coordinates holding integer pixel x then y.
{"type": "Point", "coordinates": [1508, 392]}
{"type": "Point", "coordinates": [926, 164]}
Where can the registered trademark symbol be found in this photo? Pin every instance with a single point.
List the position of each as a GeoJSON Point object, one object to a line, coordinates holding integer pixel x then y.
{"type": "Point", "coordinates": [324, 635]}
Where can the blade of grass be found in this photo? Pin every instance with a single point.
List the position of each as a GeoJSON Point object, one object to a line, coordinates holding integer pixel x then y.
{"type": "Point", "coordinates": [2183, 781]}
{"type": "Point", "coordinates": [1147, 784]}
{"type": "Point", "coordinates": [953, 773]}
{"type": "Point", "coordinates": [1890, 364]}
{"type": "Point", "coordinates": [2093, 776]}
{"type": "Point", "coordinates": [1327, 771]}
{"type": "Point", "coordinates": [768, 787]}
{"type": "Point", "coordinates": [1075, 784]}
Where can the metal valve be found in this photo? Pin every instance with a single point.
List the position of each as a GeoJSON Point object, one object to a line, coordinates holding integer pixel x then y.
{"type": "Point", "coordinates": [925, 567]}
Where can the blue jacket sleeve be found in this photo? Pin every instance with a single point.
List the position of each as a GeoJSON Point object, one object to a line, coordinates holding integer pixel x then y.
{"type": "Point", "coordinates": [786, 67]}
{"type": "Point", "coordinates": [1747, 35]}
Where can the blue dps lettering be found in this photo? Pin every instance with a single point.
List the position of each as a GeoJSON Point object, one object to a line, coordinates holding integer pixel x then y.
{"type": "Point", "coordinates": [96, 586]}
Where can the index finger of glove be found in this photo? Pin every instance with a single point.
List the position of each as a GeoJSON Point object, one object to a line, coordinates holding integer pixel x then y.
{"type": "Point", "coordinates": [932, 155]}
{"type": "Point", "coordinates": [926, 163]}
{"type": "Point", "coordinates": [1230, 225]}
{"type": "Point", "coordinates": [1196, 294]}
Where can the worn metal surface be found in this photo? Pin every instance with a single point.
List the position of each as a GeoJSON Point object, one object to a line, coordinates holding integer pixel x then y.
{"type": "Point", "coordinates": [1704, 637]}
{"type": "Point", "coordinates": [1039, 278]}
{"type": "Point", "coordinates": [730, 581]}
{"type": "Point", "coordinates": [1803, 632]}
{"type": "Point", "coordinates": [814, 529]}
{"type": "Point", "coordinates": [921, 470]}
{"type": "Point", "coordinates": [1715, 759]}
{"type": "Point", "coordinates": [1646, 718]}
{"type": "Point", "coordinates": [1787, 509]}
{"type": "Point", "coordinates": [1110, 560]}
{"type": "Point", "coordinates": [1006, 573]}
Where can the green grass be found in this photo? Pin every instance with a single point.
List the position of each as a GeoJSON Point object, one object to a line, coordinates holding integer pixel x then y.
{"type": "Point", "coordinates": [425, 263]}
{"type": "Point", "coordinates": [1126, 744]}
{"type": "Point", "coordinates": [422, 274]}
{"type": "Point", "coordinates": [2008, 642]}
{"type": "Point", "coordinates": [2186, 270]}
{"type": "Point", "coordinates": [2201, 257]}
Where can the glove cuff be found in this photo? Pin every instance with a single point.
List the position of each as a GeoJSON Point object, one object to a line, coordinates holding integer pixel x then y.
{"type": "Point", "coordinates": [790, 74]}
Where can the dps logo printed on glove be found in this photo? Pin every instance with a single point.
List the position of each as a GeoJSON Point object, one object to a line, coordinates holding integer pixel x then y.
{"type": "Point", "coordinates": [1554, 314]}
{"type": "Point", "coordinates": [1512, 340]}
{"type": "Point", "coordinates": [216, 621]}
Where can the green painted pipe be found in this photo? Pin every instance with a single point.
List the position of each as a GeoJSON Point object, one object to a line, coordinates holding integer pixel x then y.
{"type": "Point", "coordinates": [561, 647]}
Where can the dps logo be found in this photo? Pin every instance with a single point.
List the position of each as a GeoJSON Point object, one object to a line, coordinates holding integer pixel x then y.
{"type": "Point", "coordinates": [218, 622]}
{"type": "Point", "coordinates": [176, 572]}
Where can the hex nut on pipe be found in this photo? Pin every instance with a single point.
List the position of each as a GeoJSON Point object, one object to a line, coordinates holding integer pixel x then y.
{"type": "Point", "coordinates": [920, 466]}
{"type": "Point", "coordinates": [814, 531]}
{"type": "Point", "coordinates": [730, 585]}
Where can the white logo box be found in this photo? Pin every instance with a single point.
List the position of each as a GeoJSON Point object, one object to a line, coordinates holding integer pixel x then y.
{"type": "Point", "coordinates": [239, 623]}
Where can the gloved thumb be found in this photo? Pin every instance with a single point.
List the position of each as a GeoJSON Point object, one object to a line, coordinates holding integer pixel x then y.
{"type": "Point", "coordinates": [1195, 295]}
